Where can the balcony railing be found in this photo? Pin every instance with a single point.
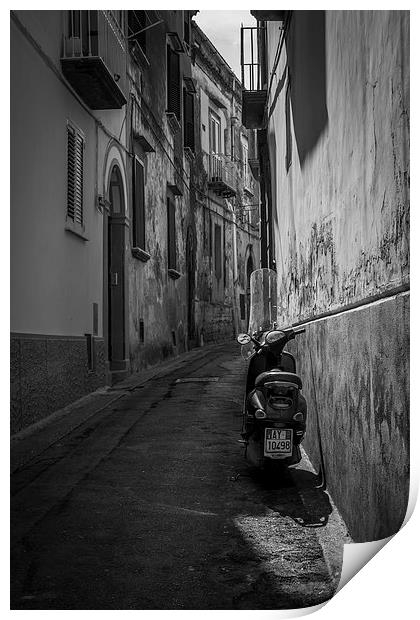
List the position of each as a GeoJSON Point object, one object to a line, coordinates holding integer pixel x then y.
{"type": "Point", "coordinates": [222, 175]}
{"type": "Point", "coordinates": [254, 93]}
{"type": "Point", "coordinates": [94, 57]}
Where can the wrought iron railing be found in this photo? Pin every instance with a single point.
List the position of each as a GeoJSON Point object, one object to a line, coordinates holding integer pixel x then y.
{"type": "Point", "coordinates": [252, 67]}
{"type": "Point", "coordinates": [221, 169]}
{"type": "Point", "coordinates": [92, 34]}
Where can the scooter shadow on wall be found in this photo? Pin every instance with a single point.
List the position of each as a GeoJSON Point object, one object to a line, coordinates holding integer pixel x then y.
{"type": "Point", "coordinates": [295, 493]}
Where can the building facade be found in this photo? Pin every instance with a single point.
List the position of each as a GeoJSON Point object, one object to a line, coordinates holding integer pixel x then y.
{"type": "Point", "coordinates": [117, 259]}
{"type": "Point", "coordinates": [331, 105]}
{"type": "Point", "coordinates": [227, 194]}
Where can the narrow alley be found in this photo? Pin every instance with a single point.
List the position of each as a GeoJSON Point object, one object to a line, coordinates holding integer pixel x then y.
{"type": "Point", "coordinates": [149, 504]}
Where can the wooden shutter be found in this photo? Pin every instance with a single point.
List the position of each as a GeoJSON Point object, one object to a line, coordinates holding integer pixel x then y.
{"type": "Point", "coordinates": [189, 120]}
{"type": "Point", "coordinates": [75, 148]}
{"type": "Point", "coordinates": [139, 236]}
{"type": "Point", "coordinates": [173, 83]}
{"type": "Point", "coordinates": [171, 235]}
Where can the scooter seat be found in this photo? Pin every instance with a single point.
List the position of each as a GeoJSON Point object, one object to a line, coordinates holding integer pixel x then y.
{"type": "Point", "coordinates": [278, 375]}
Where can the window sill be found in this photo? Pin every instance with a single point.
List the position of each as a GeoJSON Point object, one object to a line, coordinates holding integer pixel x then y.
{"type": "Point", "coordinates": [174, 274]}
{"type": "Point", "coordinates": [173, 122]}
{"type": "Point", "coordinates": [140, 254]}
{"type": "Point", "coordinates": [76, 229]}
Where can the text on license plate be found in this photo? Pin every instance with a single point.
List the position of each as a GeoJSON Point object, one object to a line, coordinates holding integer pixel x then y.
{"type": "Point", "coordinates": [278, 442]}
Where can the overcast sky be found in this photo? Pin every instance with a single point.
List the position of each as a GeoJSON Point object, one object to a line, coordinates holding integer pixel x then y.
{"type": "Point", "coordinates": [223, 30]}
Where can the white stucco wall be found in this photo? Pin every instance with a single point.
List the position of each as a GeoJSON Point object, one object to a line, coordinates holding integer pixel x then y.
{"type": "Point", "coordinates": [55, 275]}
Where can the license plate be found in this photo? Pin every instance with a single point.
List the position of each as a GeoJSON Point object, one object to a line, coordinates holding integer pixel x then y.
{"type": "Point", "coordinates": [278, 443]}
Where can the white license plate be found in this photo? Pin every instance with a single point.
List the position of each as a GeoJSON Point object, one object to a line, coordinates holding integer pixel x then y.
{"type": "Point", "coordinates": [278, 443]}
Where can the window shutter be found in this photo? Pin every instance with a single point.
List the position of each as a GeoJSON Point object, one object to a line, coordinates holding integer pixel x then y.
{"type": "Point", "coordinates": [75, 148]}
{"type": "Point", "coordinates": [173, 83]}
{"type": "Point", "coordinates": [171, 235]}
{"type": "Point", "coordinates": [189, 120]}
{"type": "Point", "coordinates": [139, 237]}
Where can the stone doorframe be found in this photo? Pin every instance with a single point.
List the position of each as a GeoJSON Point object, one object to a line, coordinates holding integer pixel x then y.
{"type": "Point", "coordinates": [116, 370]}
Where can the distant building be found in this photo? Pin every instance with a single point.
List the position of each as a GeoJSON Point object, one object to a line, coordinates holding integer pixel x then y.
{"type": "Point", "coordinates": [117, 259]}
{"type": "Point", "coordinates": [328, 92]}
{"type": "Point", "coordinates": [228, 195]}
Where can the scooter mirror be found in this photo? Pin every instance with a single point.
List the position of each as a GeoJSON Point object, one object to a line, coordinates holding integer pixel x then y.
{"type": "Point", "coordinates": [243, 338]}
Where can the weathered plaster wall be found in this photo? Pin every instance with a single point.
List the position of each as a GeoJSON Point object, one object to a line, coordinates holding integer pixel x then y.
{"type": "Point", "coordinates": [340, 180]}
{"type": "Point", "coordinates": [355, 373]}
{"type": "Point", "coordinates": [342, 207]}
{"type": "Point", "coordinates": [154, 297]}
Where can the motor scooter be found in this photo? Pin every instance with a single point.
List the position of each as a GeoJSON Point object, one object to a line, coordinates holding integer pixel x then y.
{"type": "Point", "coordinates": [275, 411]}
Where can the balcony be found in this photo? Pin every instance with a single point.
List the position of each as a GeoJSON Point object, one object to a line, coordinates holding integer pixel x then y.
{"type": "Point", "coordinates": [94, 57]}
{"type": "Point", "coordinates": [254, 87]}
{"type": "Point", "coordinates": [269, 16]}
{"type": "Point", "coordinates": [221, 175]}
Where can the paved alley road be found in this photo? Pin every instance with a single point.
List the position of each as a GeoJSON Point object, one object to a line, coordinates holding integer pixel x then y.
{"type": "Point", "coordinates": [149, 504]}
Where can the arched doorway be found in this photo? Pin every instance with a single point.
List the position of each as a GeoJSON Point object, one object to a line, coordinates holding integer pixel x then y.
{"type": "Point", "coordinates": [116, 272]}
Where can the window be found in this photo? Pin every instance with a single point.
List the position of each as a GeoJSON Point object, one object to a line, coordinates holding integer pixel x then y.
{"type": "Point", "coordinates": [116, 197]}
{"type": "Point", "coordinates": [171, 234]}
{"type": "Point", "coordinates": [75, 151]}
{"type": "Point", "coordinates": [188, 120]}
{"type": "Point", "coordinates": [218, 251]}
{"type": "Point", "coordinates": [136, 24]}
{"type": "Point", "coordinates": [139, 233]}
{"type": "Point", "coordinates": [232, 142]}
{"type": "Point", "coordinates": [245, 172]}
{"type": "Point", "coordinates": [173, 83]}
{"type": "Point", "coordinates": [215, 134]}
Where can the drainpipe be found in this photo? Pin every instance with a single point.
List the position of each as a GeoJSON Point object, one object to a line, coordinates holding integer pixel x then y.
{"type": "Point", "coordinates": [235, 270]}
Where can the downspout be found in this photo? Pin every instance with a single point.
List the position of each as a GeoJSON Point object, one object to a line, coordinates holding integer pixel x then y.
{"type": "Point", "coordinates": [235, 270]}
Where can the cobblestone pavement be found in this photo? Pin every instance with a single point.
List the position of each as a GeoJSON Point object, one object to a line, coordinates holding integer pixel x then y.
{"type": "Point", "coordinates": [149, 504]}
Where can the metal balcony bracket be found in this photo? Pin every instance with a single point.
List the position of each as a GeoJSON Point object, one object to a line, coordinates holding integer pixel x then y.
{"type": "Point", "coordinates": [173, 122]}
{"type": "Point", "coordinates": [144, 143]}
{"type": "Point", "coordinates": [175, 189]}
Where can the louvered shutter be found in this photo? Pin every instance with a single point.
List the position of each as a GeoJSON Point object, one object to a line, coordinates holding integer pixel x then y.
{"type": "Point", "coordinates": [75, 148]}
{"type": "Point", "coordinates": [173, 83]}
{"type": "Point", "coordinates": [189, 120]}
